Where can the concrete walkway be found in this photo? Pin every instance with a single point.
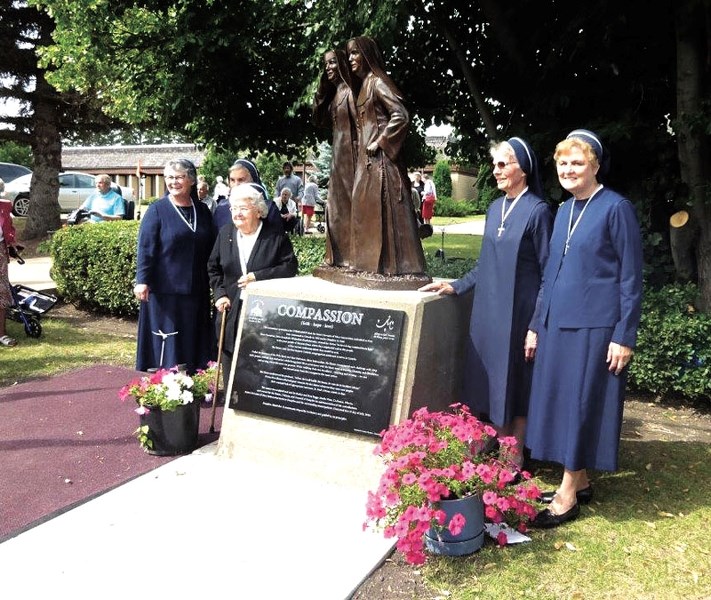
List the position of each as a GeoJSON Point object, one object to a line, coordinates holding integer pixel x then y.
{"type": "Point", "coordinates": [470, 227]}
{"type": "Point", "coordinates": [33, 274]}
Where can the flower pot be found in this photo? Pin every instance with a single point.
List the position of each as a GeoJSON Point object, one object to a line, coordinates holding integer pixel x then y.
{"type": "Point", "coordinates": [470, 539]}
{"type": "Point", "coordinates": [173, 432]}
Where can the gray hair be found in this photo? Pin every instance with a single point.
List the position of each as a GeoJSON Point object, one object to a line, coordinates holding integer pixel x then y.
{"type": "Point", "coordinates": [182, 165]}
{"type": "Point", "coordinates": [504, 148]}
{"type": "Point", "coordinates": [245, 191]}
{"type": "Point", "coordinates": [103, 177]}
{"type": "Point", "coordinates": [313, 179]}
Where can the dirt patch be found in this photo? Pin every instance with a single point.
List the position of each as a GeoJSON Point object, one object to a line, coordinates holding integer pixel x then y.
{"type": "Point", "coordinates": [94, 322]}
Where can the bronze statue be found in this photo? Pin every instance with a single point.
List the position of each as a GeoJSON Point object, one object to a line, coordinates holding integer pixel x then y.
{"type": "Point", "coordinates": [385, 251]}
{"type": "Point", "coordinates": [331, 110]}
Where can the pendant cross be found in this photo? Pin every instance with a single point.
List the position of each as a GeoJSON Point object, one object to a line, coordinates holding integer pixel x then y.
{"type": "Point", "coordinates": [500, 230]}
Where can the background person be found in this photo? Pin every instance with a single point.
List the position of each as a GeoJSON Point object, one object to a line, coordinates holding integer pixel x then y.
{"type": "Point", "coordinates": [174, 242]}
{"type": "Point", "coordinates": [418, 184]}
{"type": "Point", "coordinates": [293, 182]}
{"type": "Point", "coordinates": [429, 198]}
{"type": "Point", "coordinates": [222, 190]}
{"type": "Point", "coordinates": [7, 239]}
{"type": "Point", "coordinates": [245, 171]}
{"type": "Point", "coordinates": [249, 250]}
{"type": "Point", "coordinates": [104, 204]}
{"type": "Point", "coordinates": [309, 200]}
{"type": "Point", "coordinates": [203, 192]}
{"type": "Point", "coordinates": [287, 210]}
{"type": "Point", "coordinates": [587, 327]}
{"type": "Point", "coordinates": [506, 282]}
{"type": "Point", "coordinates": [331, 110]}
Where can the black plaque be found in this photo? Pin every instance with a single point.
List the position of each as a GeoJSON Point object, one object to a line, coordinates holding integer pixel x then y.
{"type": "Point", "coordinates": [329, 365]}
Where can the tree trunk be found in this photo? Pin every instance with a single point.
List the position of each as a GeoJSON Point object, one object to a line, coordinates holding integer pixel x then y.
{"type": "Point", "coordinates": [43, 214]}
{"type": "Point", "coordinates": [683, 231]}
{"type": "Point", "coordinates": [693, 42]}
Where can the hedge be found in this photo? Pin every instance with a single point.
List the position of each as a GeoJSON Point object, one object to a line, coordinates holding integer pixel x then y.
{"type": "Point", "coordinates": [673, 353]}
{"type": "Point", "coordinates": [94, 266]}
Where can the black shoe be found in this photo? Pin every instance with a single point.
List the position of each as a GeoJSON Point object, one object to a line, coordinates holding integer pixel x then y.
{"type": "Point", "coordinates": [546, 519]}
{"type": "Point", "coordinates": [583, 496]}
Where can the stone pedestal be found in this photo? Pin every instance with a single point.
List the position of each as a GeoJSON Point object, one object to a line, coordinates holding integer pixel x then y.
{"type": "Point", "coordinates": [431, 353]}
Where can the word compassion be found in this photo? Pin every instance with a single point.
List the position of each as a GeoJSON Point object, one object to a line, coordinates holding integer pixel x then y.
{"type": "Point", "coordinates": [316, 314]}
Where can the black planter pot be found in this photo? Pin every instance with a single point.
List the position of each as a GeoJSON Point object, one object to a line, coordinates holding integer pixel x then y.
{"type": "Point", "coordinates": [173, 432]}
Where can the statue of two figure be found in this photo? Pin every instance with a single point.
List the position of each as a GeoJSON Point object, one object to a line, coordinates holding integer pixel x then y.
{"type": "Point", "coordinates": [372, 237]}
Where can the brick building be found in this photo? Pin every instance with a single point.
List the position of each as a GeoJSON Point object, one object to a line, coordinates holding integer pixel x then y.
{"type": "Point", "coordinates": [122, 163]}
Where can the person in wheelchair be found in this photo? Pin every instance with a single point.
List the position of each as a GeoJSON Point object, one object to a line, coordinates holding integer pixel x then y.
{"type": "Point", "coordinates": [288, 211]}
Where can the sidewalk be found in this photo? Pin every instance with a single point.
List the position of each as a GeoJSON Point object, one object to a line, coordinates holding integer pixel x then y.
{"type": "Point", "coordinates": [470, 228]}
{"type": "Point", "coordinates": [33, 274]}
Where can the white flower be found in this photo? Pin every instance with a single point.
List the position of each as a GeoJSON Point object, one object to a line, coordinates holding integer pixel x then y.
{"type": "Point", "coordinates": [186, 397]}
{"type": "Point", "coordinates": [172, 390]}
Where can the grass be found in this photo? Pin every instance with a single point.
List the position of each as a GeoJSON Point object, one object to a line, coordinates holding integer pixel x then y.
{"type": "Point", "coordinates": [62, 347]}
{"type": "Point", "coordinates": [455, 245]}
{"type": "Point", "coordinates": [643, 537]}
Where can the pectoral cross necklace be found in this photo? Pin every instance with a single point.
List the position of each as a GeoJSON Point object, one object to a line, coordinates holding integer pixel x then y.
{"type": "Point", "coordinates": [572, 226]}
{"type": "Point", "coordinates": [505, 212]}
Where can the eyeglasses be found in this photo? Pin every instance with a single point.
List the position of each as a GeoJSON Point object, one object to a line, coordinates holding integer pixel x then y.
{"type": "Point", "coordinates": [241, 208]}
{"type": "Point", "coordinates": [501, 165]}
{"type": "Point", "coordinates": [176, 177]}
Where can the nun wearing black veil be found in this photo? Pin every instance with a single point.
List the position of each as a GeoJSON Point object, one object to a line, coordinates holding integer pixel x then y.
{"type": "Point", "coordinates": [507, 285]}
{"type": "Point", "coordinates": [174, 243]}
{"type": "Point", "coordinates": [244, 170]}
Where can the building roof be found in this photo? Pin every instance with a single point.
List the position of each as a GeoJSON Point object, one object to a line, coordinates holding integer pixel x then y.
{"type": "Point", "coordinates": [125, 159]}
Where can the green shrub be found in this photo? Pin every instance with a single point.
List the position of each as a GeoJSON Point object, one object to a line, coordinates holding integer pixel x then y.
{"type": "Point", "coordinates": [449, 268]}
{"type": "Point", "coordinates": [442, 178]}
{"type": "Point", "coordinates": [673, 353]}
{"type": "Point", "coordinates": [309, 251]}
{"type": "Point", "coordinates": [486, 192]}
{"type": "Point", "coordinates": [446, 207]}
{"type": "Point", "coordinates": [94, 265]}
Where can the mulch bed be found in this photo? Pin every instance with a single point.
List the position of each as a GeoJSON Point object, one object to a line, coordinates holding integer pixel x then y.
{"type": "Point", "coordinates": [67, 439]}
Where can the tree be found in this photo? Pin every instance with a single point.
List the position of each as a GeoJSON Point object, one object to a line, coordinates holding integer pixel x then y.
{"type": "Point", "coordinates": [44, 114]}
{"type": "Point", "coordinates": [693, 126]}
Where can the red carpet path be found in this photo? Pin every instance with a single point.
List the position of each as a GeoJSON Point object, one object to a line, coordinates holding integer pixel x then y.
{"type": "Point", "coordinates": [67, 439]}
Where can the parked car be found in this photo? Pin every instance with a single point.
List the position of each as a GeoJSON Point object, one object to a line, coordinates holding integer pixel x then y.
{"type": "Point", "coordinates": [10, 171]}
{"type": "Point", "coordinates": [74, 189]}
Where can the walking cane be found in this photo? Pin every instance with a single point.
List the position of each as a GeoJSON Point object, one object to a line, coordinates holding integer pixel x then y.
{"type": "Point", "coordinates": [217, 371]}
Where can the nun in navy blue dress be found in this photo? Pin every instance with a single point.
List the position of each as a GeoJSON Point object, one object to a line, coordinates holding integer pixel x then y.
{"type": "Point", "coordinates": [506, 283]}
{"type": "Point", "coordinates": [174, 244]}
{"type": "Point", "coordinates": [587, 325]}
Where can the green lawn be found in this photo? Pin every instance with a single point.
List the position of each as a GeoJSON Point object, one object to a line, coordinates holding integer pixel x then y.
{"type": "Point", "coordinates": [643, 537]}
{"type": "Point", "coordinates": [455, 245]}
{"type": "Point", "coordinates": [61, 348]}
